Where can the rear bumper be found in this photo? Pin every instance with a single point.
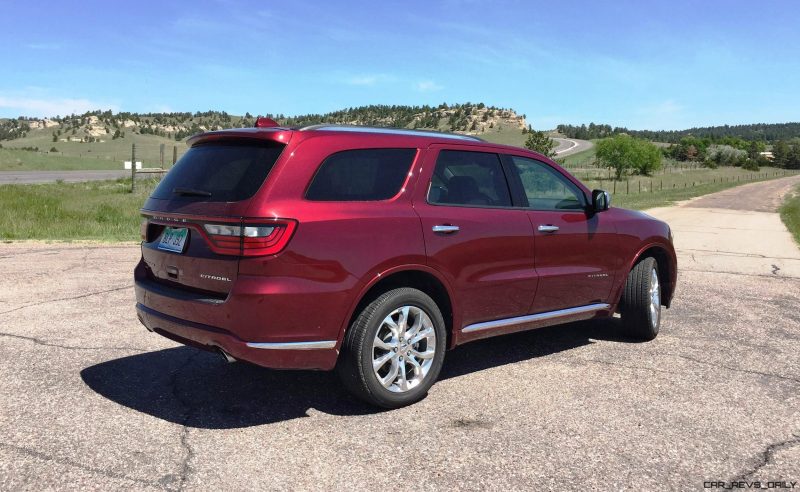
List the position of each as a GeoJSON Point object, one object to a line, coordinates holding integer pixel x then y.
{"type": "Point", "coordinates": [302, 354]}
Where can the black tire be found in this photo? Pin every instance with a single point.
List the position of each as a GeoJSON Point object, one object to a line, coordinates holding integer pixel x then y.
{"type": "Point", "coordinates": [637, 316]}
{"type": "Point", "coordinates": [355, 361]}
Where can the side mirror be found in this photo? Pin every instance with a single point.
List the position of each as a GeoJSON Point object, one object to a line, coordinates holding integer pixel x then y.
{"type": "Point", "coordinates": [601, 200]}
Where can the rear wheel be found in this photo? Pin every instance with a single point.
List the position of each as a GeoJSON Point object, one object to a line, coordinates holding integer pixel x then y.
{"type": "Point", "coordinates": [640, 305]}
{"type": "Point", "coordinates": [394, 350]}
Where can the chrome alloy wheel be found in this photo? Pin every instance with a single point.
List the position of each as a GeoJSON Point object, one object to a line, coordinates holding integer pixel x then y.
{"type": "Point", "coordinates": [655, 298]}
{"type": "Point", "coordinates": [403, 349]}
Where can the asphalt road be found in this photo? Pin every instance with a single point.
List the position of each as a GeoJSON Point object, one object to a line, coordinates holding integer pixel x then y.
{"type": "Point", "coordinates": [568, 146]}
{"type": "Point", "coordinates": [90, 400]}
{"type": "Point", "coordinates": [34, 177]}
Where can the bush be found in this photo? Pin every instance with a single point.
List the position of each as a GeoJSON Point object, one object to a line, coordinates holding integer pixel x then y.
{"type": "Point", "coordinates": [724, 155]}
{"type": "Point", "coordinates": [53, 149]}
{"type": "Point", "coordinates": [750, 165]}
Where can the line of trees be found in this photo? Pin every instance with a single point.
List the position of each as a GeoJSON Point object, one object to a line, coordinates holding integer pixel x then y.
{"type": "Point", "coordinates": [786, 155]}
{"type": "Point", "coordinates": [731, 151]}
{"type": "Point", "coordinates": [768, 132]}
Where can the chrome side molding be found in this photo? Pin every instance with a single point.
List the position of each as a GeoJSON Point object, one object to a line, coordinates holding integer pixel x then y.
{"type": "Point", "coordinates": [323, 344]}
{"type": "Point", "coordinates": [488, 325]}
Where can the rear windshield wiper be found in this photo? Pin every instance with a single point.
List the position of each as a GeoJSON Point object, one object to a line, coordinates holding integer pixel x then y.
{"type": "Point", "coordinates": [190, 192]}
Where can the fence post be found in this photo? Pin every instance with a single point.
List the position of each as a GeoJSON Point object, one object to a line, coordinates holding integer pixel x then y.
{"type": "Point", "coordinates": [174, 154]}
{"type": "Point", "coordinates": [133, 167]}
{"type": "Point", "coordinates": [627, 186]}
{"type": "Point", "coordinates": [640, 186]}
{"type": "Point", "coordinates": [615, 187]}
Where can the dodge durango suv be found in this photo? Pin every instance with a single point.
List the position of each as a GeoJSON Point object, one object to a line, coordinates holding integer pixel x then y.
{"type": "Point", "coordinates": [372, 251]}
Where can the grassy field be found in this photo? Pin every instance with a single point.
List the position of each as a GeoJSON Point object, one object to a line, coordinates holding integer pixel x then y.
{"type": "Point", "coordinates": [98, 210]}
{"type": "Point", "coordinates": [78, 155]}
{"type": "Point", "coordinates": [105, 210]}
{"type": "Point", "coordinates": [790, 213]}
{"type": "Point", "coordinates": [505, 136]}
{"type": "Point", "coordinates": [26, 160]}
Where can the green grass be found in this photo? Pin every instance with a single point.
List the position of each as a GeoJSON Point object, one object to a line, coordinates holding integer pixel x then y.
{"type": "Point", "coordinates": [78, 155]}
{"type": "Point", "coordinates": [671, 184]}
{"type": "Point", "coordinates": [25, 160]}
{"type": "Point", "coordinates": [790, 213]}
{"type": "Point", "coordinates": [579, 160]}
{"type": "Point", "coordinates": [505, 136]}
{"type": "Point", "coordinates": [98, 210]}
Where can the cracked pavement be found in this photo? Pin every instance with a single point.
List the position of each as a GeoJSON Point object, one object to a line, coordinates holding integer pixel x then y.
{"type": "Point", "coordinates": [90, 400]}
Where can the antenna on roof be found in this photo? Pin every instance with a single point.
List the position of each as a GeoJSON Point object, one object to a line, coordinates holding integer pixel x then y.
{"type": "Point", "coordinates": [264, 122]}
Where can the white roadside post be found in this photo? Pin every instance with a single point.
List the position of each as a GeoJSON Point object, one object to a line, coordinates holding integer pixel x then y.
{"type": "Point", "coordinates": [133, 167]}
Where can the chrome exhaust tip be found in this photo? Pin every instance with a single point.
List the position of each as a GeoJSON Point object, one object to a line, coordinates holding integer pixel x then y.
{"type": "Point", "coordinates": [225, 355]}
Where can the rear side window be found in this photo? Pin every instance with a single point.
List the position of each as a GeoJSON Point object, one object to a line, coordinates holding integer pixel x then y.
{"type": "Point", "coordinates": [469, 178]}
{"type": "Point", "coordinates": [361, 175]}
{"type": "Point", "coordinates": [223, 171]}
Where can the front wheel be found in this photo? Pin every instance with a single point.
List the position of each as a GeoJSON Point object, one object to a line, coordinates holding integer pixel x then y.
{"type": "Point", "coordinates": [640, 305]}
{"type": "Point", "coordinates": [394, 350]}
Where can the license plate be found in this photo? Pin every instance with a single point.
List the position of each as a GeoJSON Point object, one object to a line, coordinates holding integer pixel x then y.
{"type": "Point", "coordinates": [173, 239]}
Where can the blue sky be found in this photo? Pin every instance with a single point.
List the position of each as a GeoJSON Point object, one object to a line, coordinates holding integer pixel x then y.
{"type": "Point", "coordinates": [640, 64]}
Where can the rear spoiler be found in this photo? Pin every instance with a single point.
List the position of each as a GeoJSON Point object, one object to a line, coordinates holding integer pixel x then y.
{"type": "Point", "coordinates": [275, 134]}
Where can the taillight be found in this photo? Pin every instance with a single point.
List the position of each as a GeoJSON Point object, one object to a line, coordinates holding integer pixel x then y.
{"type": "Point", "coordinates": [143, 229]}
{"type": "Point", "coordinates": [250, 239]}
{"type": "Point", "coordinates": [225, 238]}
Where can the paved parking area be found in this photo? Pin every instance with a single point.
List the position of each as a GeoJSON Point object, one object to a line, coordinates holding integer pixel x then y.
{"type": "Point", "coordinates": [90, 400]}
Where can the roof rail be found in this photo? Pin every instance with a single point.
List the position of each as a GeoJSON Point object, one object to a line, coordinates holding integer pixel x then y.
{"type": "Point", "coordinates": [390, 131]}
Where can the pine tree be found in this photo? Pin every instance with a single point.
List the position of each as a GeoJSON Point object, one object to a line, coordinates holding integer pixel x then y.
{"type": "Point", "coordinates": [541, 143]}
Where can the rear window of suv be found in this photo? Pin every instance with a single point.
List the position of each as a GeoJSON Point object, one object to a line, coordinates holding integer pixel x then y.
{"type": "Point", "coordinates": [221, 171]}
{"type": "Point", "coordinates": [361, 175]}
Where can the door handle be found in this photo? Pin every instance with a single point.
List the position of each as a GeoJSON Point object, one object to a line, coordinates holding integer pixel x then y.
{"type": "Point", "coordinates": [548, 228]}
{"type": "Point", "coordinates": [445, 228]}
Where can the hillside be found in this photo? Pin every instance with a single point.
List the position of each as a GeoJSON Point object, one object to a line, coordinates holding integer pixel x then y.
{"type": "Point", "coordinates": [108, 136]}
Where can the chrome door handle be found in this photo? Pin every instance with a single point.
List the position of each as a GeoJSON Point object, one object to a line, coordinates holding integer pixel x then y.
{"type": "Point", "coordinates": [446, 228]}
{"type": "Point", "coordinates": [548, 228]}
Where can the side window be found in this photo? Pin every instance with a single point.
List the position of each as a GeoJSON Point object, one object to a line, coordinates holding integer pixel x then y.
{"type": "Point", "coordinates": [361, 175]}
{"type": "Point", "coordinates": [469, 178]}
{"type": "Point", "coordinates": [546, 188]}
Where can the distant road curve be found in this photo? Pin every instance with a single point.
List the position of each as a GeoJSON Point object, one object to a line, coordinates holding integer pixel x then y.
{"type": "Point", "coordinates": [568, 146]}
{"type": "Point", "coordinates": [33, 177]}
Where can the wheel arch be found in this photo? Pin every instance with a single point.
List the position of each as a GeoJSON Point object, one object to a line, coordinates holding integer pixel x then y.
{"type": "Point", "coordinates": [667, 268]}
{"type": "Point", "coordinates": [419, 277]}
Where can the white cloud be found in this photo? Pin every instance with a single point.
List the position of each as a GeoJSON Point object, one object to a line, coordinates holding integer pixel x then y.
{"type": "Point", "coordinates": [428, 86]}
{"type": "Point", "coordinates": [43, 46]}
{"type": "Point", "coordinates": [368, 80]}
{"type": "Point", "coordinates": [25, 106]}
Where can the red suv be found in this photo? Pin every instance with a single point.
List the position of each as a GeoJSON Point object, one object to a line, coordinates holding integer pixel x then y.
{"type": "Point", "coordinates": [373, 250]}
